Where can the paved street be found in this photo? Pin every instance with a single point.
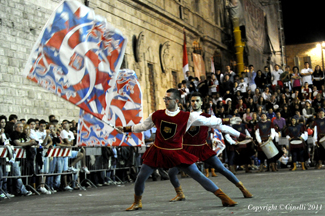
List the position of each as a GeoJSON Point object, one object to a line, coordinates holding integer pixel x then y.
{"type": "Point", "coordinates": [283, 192]}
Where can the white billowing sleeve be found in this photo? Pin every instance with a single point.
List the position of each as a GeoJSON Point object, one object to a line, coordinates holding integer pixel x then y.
{"type": "Point", "coordinates": [247, 133]}
{"type": "Point", "coordinates": [258, 137]}
{"type": "Point", "coordinates": [230, 140]}
{"type": "Point", "coordinates": [274, 134]}
{"type": "Point", "coordinates": [195, 119]}
{"type": "Point", "coordinates": [228, 130]}
{"type": "Point", "coordinates": [145, 125]}
{"type": "Point", "coordinates": [304, 136]}
{"type": "Point", "coordinates": [315, 134]}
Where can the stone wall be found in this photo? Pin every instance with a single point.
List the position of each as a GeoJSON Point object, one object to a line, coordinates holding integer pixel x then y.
{"type": "Point", "coordinates": [301, 51]}
{"type": "Point", "coordinates": [20, 24]}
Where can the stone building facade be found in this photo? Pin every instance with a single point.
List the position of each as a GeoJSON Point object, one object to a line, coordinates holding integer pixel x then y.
{"type": "Point", "coordinates": [154, 29]}
{"type": "Point", "coordinates": [298, 54]}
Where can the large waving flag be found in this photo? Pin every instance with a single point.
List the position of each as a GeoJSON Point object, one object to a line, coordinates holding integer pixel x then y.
{"type": "Point", "coordinates": [125, 108]}
{"type": "Point", "coordinates": [77, 56]}
{"type": "Point", "coordinates": [185, 57]}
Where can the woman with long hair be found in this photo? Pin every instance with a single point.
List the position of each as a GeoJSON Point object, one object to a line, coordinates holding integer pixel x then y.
{"type": "Point", "coordinates": [295, 79]}
{"type": "Point", "coordinates": [318, 77]}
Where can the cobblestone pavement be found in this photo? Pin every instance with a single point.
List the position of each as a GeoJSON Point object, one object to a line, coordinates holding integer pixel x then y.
{"type": "Point", "coordinates": [278, 193]}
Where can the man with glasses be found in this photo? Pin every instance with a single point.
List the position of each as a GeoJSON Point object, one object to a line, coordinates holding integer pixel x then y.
{"type": "Point", "coordinates": [168, 152]}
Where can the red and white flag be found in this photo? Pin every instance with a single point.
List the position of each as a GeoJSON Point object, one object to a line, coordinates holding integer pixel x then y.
{"type": "Point", "coordinates": [213, 70]}
{"type": "Point", "coordinates": [185, 58]}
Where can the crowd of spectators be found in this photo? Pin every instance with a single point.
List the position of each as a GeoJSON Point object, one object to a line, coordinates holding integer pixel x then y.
{"type": "Point", "coordinates": [282, 94]}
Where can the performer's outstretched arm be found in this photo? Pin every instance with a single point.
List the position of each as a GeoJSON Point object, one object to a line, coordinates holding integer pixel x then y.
{"type": "Point", "coordinates": [196, 119]}
{"type": "Point", "coordinates": [145, 125]}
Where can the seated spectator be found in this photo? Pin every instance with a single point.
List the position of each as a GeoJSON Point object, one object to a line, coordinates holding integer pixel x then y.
{"type": "Point", "coordinates": [266, 94]}
{"type": "Point", "coordinates": [238, 96]}
{"type": "Point", "coordinates": [221, 113]}
{"type": "Point", "coordinates": [257, 95]}
{"type": "Point", "coordinates": [241, 107]}
{"type": "Point", "coordinates": [272, 103]}
{"type": "Point", "coordinates": [279, 121]}
{"type": "Point", "coordinates": [308, 111]}
{"type": "Point", "coordinates": [315, 92]}
{"type": "Point", "coordinates": [247, 116]}
{"type": "Point", "coordinates": [229, 107]}
{"type": "Point", "coordinates": [306, 91]}
{"type": "Point", "coordinates": [317, 103]}
{"type": "Point", "coordinates": [285, 113]}
{"type": "Point", "coordinates": [259, 112]}
{"type": "Point", "coordinates": [283, 101]}
{"type": "Point", "coordinates": [270, 114]}
{"type": "Point", "coordinates": [251, 105]}
{"type": "Point", "coordinates": [261, 102]}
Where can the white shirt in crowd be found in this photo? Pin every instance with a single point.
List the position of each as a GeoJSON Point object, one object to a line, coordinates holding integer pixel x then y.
{"type": "Point", "coordinates": [307, 78]}
{"type": "Point", "coordinates": [276, 76]}
{"type": "Point", "coordinates": [67, 135]}
{"type": "Point", "coordinates": [41, 136]}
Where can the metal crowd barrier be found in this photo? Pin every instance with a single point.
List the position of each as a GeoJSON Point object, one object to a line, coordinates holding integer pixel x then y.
{"type": "Point", "coordinates": [94, 161]}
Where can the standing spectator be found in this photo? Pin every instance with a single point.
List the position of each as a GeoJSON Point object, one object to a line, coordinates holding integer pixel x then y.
{"type": "Point", "coordinates": [45, 141]}
{"type": "Point", "coordinates": [276, 77]}
{"type": "Point", "coordinates": [251, 78]}
{"type": "Point", "coordinates": [227, 84]}
{"type": "Point", "coordinates": [19, 139]}
{"type": "Point", "coordinates": [219, 76]}
{"type": "Point", "coordinates": [268, 76]}
{"type": "Point", "coordinates": [213, 85]}
{"type": "Point", "coordinates": [306, 75]}
{"type": "Point", "coordinates": [295, 79]}
{"type": "Point", "coordinates": [203, 87]}
{"type": "Point", "coordinates": [10, 125]}
{"type": "Point", "coordinates": [260, 80]}
{"type": "Point", "coordinates": [318, 77]}
{"type": "Point", "coordinates": [285, 78]}
{"type": "Point", "coordinates": [230, 73]}
{"type": "Point", "coordinates": [243, 87]}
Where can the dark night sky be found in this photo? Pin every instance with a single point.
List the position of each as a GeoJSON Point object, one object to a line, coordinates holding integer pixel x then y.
{"type": "Point", "coordinates": [303, 21]}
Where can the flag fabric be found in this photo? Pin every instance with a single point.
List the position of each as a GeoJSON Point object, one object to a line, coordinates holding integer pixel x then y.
{"type": "Point", "coordinates": [213, 70]}
{"type": "Point", "coordinates": [199, 66]}
{"type": "Point", "coordinates": [77, 56]}
{"type": "Point", "coordinates": [219, 143]}
{"type": "Point", "coordinates": [185, 57]}
{"type": "Point", "coordinates": [125, 108]}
